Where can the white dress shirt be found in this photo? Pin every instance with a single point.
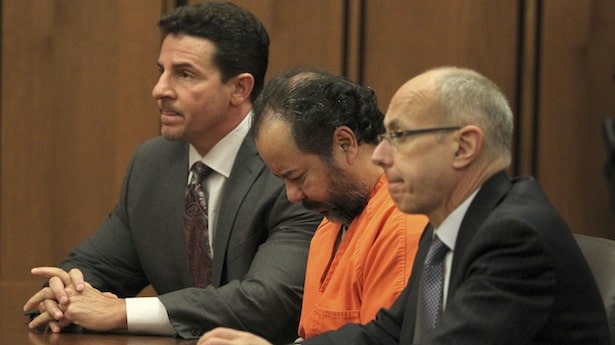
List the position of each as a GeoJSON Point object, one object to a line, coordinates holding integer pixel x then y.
{"type": "Point", "coordinates": [447, 232]}
{"type": "Point", "coordinates": [147, 314]}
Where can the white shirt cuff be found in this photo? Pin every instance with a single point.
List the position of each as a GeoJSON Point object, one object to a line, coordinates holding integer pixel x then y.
{"type": "Point", "coordinates": [148, 315]}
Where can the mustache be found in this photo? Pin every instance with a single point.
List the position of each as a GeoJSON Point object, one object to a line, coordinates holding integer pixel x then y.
{"type": "Point", "coordinates": [315, 205]}
{"type": "Point", "coordinates": [166, 106]}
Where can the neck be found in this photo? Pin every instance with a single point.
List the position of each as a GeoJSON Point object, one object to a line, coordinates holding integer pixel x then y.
{"type": "Point", "coordinates": [233, 118]}
{"type": "Point", "coordinates": [468, 181]}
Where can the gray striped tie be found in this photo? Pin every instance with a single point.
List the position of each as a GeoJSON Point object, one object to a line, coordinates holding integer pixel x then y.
{"type": "Point", "coordinates": [432, 284]}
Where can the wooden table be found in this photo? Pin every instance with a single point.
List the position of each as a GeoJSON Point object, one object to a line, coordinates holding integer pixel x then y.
{"type": "Point", "coordinates": [14, 331]}
{"type": "Point", "coordinates": [26, 337]}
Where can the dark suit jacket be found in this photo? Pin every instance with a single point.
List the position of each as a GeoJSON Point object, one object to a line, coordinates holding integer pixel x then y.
{"type": "Point", "coordinates": [517, 277]}
{"type": "Point", "coordinates": [260, 246]}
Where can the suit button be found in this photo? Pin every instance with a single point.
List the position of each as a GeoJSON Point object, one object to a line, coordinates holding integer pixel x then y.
{"type": "Point", "coordinates": [196, 332]}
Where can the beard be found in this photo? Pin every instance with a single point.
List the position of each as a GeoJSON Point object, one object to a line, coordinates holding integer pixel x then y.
{"type": "Point", "coordinates": [346, 197]}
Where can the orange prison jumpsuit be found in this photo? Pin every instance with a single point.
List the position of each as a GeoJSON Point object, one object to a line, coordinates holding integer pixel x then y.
{"type": "Point", "coordinates": [367, 272]}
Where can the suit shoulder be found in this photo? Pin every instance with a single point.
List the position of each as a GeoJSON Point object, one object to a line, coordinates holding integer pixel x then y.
{"type": "Point", "coordinates": [159, 153]}
{"type": "Point", "coordinates": [527, 198]}
{"type": "Point", "coordinates": [160, 145]}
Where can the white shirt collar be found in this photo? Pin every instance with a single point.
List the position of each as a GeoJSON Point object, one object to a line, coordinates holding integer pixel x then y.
{"type": "Point", "coordinates": [449, 229]}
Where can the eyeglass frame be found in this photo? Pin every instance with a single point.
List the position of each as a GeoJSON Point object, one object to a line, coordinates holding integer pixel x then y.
{"type": "Point", "coordinates": [392, 137]}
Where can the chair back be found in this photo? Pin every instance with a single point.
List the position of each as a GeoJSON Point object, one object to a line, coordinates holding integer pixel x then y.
{"type": "Point", "coordinates": [600, 255]}
{"type": "Point", "coordinates": [609, 165]}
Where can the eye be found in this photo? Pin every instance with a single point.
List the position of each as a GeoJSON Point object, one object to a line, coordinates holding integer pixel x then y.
{"type": "Point", "coordinates": [296, 179]}
{"type": "Point", "coordinates": [395, 134]}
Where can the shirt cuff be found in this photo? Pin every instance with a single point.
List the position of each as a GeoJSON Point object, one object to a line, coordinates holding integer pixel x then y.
{"type": "Point", "coordinates": [148, 315]}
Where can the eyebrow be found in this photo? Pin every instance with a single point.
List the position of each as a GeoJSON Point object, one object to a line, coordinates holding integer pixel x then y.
{"type": "Point", "coordinates": [290, 172]}
{"type": "Point", "coordinates": [286, 173]}
{"type": "Point", "coordinates": [177, 65]}
{"type": "Point", "coordinates": [392, 124]}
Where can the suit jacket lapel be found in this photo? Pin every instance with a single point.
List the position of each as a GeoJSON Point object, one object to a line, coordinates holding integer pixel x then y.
{"type": "Point", "coordinates": [489, 196]}
{"type": "Point", "coordinates": [175, 182]}
{"type": "Point", "coordinates": [492, 191]}
{"type": "Point", "coordinates": [246, 169]}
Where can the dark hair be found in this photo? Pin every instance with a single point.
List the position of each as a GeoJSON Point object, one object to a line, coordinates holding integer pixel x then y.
{"type": "Point", "coordinates": [241, 40]}
{"type": "Point", "coordinates": [314, 103]}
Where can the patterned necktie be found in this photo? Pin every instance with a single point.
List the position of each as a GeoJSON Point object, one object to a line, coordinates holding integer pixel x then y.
{"type": "Point", "coordinates": [433, 281]}
{"type": "Point", "coordinates": [196, 233]}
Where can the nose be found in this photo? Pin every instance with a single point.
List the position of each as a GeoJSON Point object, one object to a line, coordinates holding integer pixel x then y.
{"type": "Point", "coordinates": [162, 89]}
{"type": "Point", "coordinates": [294, 193]}
{"type": "Point", "coordinates": [382, 154]}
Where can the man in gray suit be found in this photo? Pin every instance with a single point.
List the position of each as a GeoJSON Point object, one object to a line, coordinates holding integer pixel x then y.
{"type": "Point", "coordinates": [212, 66]}
{"type": "Point", "coordinates": [497, 265]}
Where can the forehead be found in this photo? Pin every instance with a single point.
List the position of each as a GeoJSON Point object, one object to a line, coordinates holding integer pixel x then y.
{"type": "Point", "coordinates": [185, 49]}
{"type": "Point", "coordinates": [411, 104]}
{"type": "Point", "coordinates": [277, 148]}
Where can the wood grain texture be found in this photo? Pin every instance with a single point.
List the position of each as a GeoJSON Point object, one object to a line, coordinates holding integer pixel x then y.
{"type": "Point", "coordinates": [76, 101]}
{"type": "Point", "coordinates": [576, 93]}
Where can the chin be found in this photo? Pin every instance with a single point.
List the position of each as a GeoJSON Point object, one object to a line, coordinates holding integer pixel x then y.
{"type": "Point", "coordinates": [405, 207]}
{"type": "Point", "coordinates": [170, 134]}
{"type": "Point", "coordinates": [397, 199]}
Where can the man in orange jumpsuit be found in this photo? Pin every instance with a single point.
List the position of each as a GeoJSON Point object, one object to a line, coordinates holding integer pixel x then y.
{"type": "Point", "coordinates": [318, 131]}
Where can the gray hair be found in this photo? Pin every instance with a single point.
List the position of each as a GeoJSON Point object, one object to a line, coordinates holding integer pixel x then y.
{"type": "Point", "coordinates": [469, 98]}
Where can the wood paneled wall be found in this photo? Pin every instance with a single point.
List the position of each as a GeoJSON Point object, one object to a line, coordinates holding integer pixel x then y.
{"type": "Point", "coordinates": [302, 32]}
{"type": "Point", "coordinates": [405, 38]}
{"type": "Point", "coordinates": [576, 92]}
{"type": "Point", "coordinates": [76, 100]}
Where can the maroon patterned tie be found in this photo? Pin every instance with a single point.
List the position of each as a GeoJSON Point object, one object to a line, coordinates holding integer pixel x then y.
{"type": "Point", "coordinates": [196, 234]}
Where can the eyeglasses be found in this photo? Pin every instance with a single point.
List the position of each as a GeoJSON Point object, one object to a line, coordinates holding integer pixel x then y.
{"type": "Point", "coordinates": [393, 137]}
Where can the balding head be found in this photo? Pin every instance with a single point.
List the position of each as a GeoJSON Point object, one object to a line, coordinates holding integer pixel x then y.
{"type": "Point", "coordinates": [464, 97]}
{"type": "Point", "coordinates": [448, 130]}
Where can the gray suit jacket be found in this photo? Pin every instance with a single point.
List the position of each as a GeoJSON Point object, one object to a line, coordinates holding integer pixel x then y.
{"type": "Point", "coordinates": [261, 245]}
{"type": "Point", "coordinates": [518, 278]}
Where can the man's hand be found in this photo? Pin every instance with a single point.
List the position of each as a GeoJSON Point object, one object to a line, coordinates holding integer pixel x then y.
{"type": "Point", "coordinates": [48, 300]}
{"type": "Point", "coordinates": [50, 313]}
{"type": "Point", "coordinates": [52, 302]}
{"type": "Point", "coordinates": [228, 336]}
{"type": "Point", "coordinates": [94, 310]}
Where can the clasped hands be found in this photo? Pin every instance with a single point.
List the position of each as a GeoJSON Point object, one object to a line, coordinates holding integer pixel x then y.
{"type": "Point", "coordinates": [69, 299]}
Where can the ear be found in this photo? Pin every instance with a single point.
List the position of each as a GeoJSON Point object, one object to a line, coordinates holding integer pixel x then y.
{"type": "Point", "coordinates": [345, 143]}
{"type": "Point", "coordinates": [468, 146]}
{"type": "Point", "coordinates": [242, 85]}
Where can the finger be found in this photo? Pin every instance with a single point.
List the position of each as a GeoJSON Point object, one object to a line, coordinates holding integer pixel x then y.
{"type": "Point", "coordinates": [37, 298]}
{"type": "Point", "coordinates": [48, 272]}
{"type": "Point", "coordinates": [41, 308]}
{"type": "Point", "coordinates": [55, 327]}
{"type": "Point", "coordinates": [76, 277]}
{"type": "Point", "coordinates": [42, 320]}
{"type": "Point", "coordinates": [58, 287]}
{"type": "Point", "coordinates": [65, 322]}
{"type": "Point", "coordinates": [53, 309]}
